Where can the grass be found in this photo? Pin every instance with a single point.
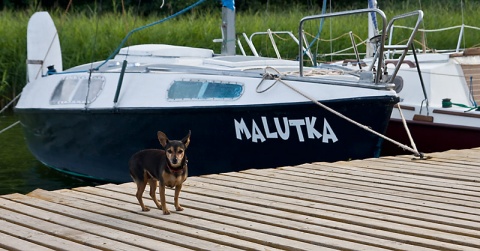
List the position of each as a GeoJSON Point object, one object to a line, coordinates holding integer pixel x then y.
{"type": "Point", "coordinates": [86, 36]}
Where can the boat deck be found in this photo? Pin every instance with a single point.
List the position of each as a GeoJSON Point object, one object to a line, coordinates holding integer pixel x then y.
{"type": "Point", "coordinates": [389, 203]}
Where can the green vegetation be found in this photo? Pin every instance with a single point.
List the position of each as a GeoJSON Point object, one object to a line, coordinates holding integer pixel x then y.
{"type": "Point", "coordinates": [86, 36]}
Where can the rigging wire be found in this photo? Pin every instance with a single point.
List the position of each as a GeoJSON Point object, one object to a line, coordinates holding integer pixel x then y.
{"type": "Point", "coordinates": [320, 28]}
{"type": "Point", "coordinates": [277, 76]}
{"type": "Point", "coordinates": [147, 26]}
{"type": "Point", "coordinates": [93, 52]}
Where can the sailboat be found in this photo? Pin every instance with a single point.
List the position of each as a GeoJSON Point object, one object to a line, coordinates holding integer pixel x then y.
{"type": "Point", "coordinates": [243, 111]}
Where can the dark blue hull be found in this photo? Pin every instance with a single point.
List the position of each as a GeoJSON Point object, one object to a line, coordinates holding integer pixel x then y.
{"type": "Point", "coordinates": [98, 144]}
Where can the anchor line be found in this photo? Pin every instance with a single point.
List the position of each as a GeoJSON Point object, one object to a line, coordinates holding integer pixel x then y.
{"type": "Point", "coordinates": [8, 127]}
{"type": "Point", "coordinates": [277, 78]}
{"type": "Point", "coordinates": [10, 103]}
{"type": "Point", "coordinates": [5, 108]}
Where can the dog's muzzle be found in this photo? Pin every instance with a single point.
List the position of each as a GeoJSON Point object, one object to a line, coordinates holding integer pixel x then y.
{"type": "Point", "coordinates": [174, 161]}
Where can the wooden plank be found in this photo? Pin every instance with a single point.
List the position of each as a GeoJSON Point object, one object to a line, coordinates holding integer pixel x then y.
{"type": "Point", "coordinates": [391, 203]}
{"type": "Point", "coordinates": [331, 183]}
{"type": "Point", "coordinates": [345, 174]}
{"type": "Point", "coordinates": [271, 230]}
{"type": "Point", "coordinates": [419, 168]}
{"type": "Point", "coordinates": [364, 173]}
{"type": "Point", "coordinates": [81, 230]}
{"type": "Point", "coordinates": [128, 203]}
{"type": "Point", "coordinates": [318, 209]}
{"type": "Point", "coordinates": [445, 163]}
{"type": "Point", "coordinates": [191, 222]}
{"type": "Point", "coordinates": [12, 242]}
{"type": "Point", "coordinates": [45, 233]}
{"type": "Point", "coordinates": [279, 218]}
{"type": "Point", "coordinates": [471, 165]}
{"type": "Point", "coordinates": [117, 224]}
{"type": "Point", "coordinates": [308, 215]}
{"type": "Point", "coordinates": [467, 154]}
{"type": "Point", "coordinates": [305, 221]}
{"type": "Point", "coordinates": [468, 163]}
{"type": "Point", "coordinates": [448, 170]}
{"type": "Point", "coordinates": [411, 216]}
{"type": "Point", "coordinates": [363, 200]}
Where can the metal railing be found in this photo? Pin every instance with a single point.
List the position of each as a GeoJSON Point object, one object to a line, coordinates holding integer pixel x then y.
{"type": "Point", "coordinates": [346, 13]}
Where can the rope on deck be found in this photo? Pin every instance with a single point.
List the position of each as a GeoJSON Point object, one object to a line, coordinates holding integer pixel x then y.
{"type": "Point", "coordinates": [277, 78]}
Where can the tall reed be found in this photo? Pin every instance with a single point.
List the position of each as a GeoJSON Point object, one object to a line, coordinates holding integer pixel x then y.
{"type": "Point", "coordinates": [85, 35]}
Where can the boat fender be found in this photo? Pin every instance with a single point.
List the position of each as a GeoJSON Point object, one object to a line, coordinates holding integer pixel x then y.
{"type": "Point", "coordinates": [398, 82]}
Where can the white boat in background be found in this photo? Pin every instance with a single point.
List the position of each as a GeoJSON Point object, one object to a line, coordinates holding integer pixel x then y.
{"type": "Point", "coordinates": [442, 114]}
{"type": "Point", "coordinates": [440, 107]}
{"type": "Point", "coordinates": [243, 111]}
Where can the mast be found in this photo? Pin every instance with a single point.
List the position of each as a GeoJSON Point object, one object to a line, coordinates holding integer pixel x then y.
{"type": "Point", "coordinates": [372, 27]}
{"type": "Point", "coordinates": [228, 27]}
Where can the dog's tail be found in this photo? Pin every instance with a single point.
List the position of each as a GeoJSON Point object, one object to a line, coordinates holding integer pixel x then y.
{"type": "Point", "coordinates": [136, 170]}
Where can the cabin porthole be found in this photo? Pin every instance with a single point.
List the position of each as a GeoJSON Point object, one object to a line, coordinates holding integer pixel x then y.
{"type": "Point", "coordinates": [201, 89]}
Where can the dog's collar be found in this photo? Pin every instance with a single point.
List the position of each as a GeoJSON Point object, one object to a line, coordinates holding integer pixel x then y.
{"type": "Point", "coordinates": [179, 170]}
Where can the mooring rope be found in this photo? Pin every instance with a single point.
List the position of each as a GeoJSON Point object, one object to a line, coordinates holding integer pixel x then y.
{"type": "Point", "coordinates": [8, 127]}
{"type": "Point", "coordinates": [5, 108]}
{"type": "Point", "coordinates": [278, 78]}
{"type": "Point", "coordinates": [10, 103]}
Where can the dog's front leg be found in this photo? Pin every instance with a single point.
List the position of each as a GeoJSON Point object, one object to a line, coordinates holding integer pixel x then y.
{"type": "Point", "coordinates": [161, 190]}
{"type": "Point", "coordinates": [177, 194]}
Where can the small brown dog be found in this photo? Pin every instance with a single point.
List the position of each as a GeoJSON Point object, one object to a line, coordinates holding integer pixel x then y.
{"type": "Point", "coordinates": [168, 167]}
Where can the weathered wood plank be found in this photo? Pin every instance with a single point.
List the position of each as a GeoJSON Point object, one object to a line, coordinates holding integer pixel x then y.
{"type": "Point", "coordinates": [420, 168]}
{"type": "Point", "coordinates": [391, 203]}
{"type": "Point", "coordinates": [147, 235]}
{"type": "Point", "coordinates": [96, 234]}
{"type": "Point", "coordinates": [332, 203]}
{"type": "Point", "coordinates": [352, 216]}
{"type": "Point", "coordinates": [303, 222]}
{"type": "Point", "coordinates": [449, 162]}
{"type": "Point", "coordinates": [433, 166]}
{"type": "Point", "coordinates": [102, 198]}
{"type": "Point", "coordinates": [288, 236]}
{"type": "Point", "coordinates": [395, 178]}
{"type": "Point", "coordinates": [315, 181]}
{"type": "Point", "coordinates": [354, 184]}
{"type": "Point", "coordinates": [379, 174]}
{"type": "Point", "coordinates": [342, 179]}
{"type": "Point", "coordinates": [378, 202]}
{"type": "Point", "coordinates": [397, 173]}
{"type": "Point", "coordinates": [22, 242]}
{"type": "Point", "coordinates": [276, 218]}
{"type": "Point", "coordinates": [471, 155]}
{"type": "Point", "coordinates": [45, 233]}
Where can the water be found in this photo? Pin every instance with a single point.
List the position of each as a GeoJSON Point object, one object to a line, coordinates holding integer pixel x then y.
{"type": "Point", "coordinates": [20, 172]}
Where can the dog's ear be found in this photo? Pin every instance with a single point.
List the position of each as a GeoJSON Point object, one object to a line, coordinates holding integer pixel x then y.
{"type": "Point", "coordinates": [162, 138]}
{"type": "Point", "coordinates": [186, 139]}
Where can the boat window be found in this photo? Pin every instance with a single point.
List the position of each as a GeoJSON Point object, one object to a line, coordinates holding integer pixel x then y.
{"type": "Point", "coordinates": [204, 89]}
{"type": "Point", "coordinates": [77, 90]}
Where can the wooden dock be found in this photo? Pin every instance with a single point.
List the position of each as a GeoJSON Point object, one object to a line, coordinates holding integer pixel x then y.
{"type": "Point", "coordinates": [389, 203]}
